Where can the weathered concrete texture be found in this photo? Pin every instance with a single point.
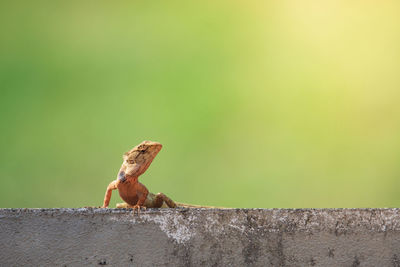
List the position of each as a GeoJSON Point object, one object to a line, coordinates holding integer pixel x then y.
{"type": "Point", "coordinates": [200, 237]}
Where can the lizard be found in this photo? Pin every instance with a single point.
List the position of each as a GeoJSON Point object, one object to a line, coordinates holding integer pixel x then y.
{"type": "Point", "coordinates": [136, 195]}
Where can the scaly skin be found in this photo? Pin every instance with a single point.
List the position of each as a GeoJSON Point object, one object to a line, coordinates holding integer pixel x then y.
{"type": "Point", "coordinates": [136, 161]}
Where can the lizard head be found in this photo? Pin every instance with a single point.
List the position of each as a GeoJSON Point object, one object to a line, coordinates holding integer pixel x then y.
{"type": "Point", "coordinates": [138, 159]}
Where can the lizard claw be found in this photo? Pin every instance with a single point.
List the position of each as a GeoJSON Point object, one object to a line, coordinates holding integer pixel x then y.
{"type": "Point", "coordinates": [138, 208]}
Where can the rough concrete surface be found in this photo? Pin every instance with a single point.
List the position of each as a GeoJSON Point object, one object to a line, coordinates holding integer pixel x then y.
{"type": "Point", "coordinates": [200, 237]}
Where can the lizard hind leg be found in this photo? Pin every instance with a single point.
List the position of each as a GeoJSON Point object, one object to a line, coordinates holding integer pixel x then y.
{"type": "Point", "coordinates": [160, 199]}
{"type": "Point", "coordinates": [122, 205]}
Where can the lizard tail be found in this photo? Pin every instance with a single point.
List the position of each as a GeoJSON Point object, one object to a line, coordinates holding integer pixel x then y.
{"type": "Point", "coordinates": [184, 205]}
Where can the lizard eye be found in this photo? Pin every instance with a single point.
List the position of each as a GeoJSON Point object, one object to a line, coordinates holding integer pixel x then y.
{"type": "Point", "coordinates": [130, 161]}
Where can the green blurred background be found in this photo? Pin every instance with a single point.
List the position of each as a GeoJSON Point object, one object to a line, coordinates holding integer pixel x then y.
{"type": "Point", "coordinates": [257, 103]}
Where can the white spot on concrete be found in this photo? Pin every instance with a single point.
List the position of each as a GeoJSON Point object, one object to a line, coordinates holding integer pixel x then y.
{"type": "Point", "coordinates": [173, 225]}
{"type": "Point", "coordinates": [236, 225]}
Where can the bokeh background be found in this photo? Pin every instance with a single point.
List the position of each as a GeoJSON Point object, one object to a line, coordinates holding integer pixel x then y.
{"type": "Point", "coordinates": [284, 104]}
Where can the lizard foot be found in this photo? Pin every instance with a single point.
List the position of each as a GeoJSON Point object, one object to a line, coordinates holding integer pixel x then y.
{"type": "Point", "coordinates": [138, 208]}
{"type": "Point", "coordinates": [122, 205]}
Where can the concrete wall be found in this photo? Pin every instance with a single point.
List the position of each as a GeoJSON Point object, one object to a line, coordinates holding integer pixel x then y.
{"type": "Point", "coordinates": [200, 237]}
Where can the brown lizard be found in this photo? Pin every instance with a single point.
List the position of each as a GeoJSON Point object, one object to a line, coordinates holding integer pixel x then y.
{"type": "Point", "coordinates": [136, 161]}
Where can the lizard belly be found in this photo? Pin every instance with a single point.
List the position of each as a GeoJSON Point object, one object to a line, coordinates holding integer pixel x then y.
{"type": "Point", "coordinates": [128, 193]}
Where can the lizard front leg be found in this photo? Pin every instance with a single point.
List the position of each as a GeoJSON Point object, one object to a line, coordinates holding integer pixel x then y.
{"type": "Point", "coordinates": [142, 193]}
{"type": "Point", "coordinates": [107, 197]}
